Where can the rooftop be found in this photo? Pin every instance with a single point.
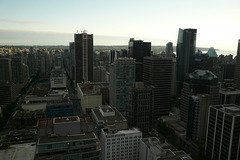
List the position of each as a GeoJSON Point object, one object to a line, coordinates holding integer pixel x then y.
{"type": "Point", "coordinates": [202, 74]}
{"type": "Point", "coordinates": [24, 151]}
{"type": "Point", "coordinates": [66, 119]}
{"type": "Point", "coordinates": [231, 109]}
{"type": "Point", "coordinates": [110, 132]}
{"type": "Point", "coordinates": [108, 114]}
{"type": "Point", "coordinates": [58, 139]}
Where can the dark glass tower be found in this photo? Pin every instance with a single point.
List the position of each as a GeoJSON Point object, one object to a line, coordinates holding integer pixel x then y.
{"type": "Point", "coordinates": [237, 68]}
{"type": "Point", "coordinates": [138, 49]}
{"type": "Point", "coordinates": [83, 47]}
{"type": "Point", "coordinates": [186, 47]}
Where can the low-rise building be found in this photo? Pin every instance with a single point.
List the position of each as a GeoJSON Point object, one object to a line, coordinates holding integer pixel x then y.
{"type": "Point", "coordinates": [152, 149]}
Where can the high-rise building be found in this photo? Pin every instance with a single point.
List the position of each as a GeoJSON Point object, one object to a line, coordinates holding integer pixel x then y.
{"type": "Point", "coordinates": [32, 64]}
{"type": "Point", "coordinates": [229, 96]}
{"type": "Point", "coordinates": [7, 93]}
{"type": "Point", "coordinates": [157, 72]}
{"type": "Point", "coordinates": [237, 68]}
{"type": "Point", "coordinates": [169, 48]}
{"type": "Point", "coordinates": [71, 60]}
{"type": "Point", "coordinates": [138, 49]}
{"type": "Point", "coordinates": [120, 144]}
{"type": "Point", "coordinates": [112, 56]}
{"type": "Point", "coordinates": [122, 76]}
{"type": "Point", "coordinates": [83, 47]}
{"type": "Point", "coordinates": [5, 69]}
{"type": "Point", "coordinates": [140, 107]}
{"type": "Point", "coordinates": [17, 69]}
{"type": "Point", "coordinates": [58, 79]}
{"type": "Point", "coordinates": [222, 138]}
{"type": "Point", "coordinates": [186, 46]}
{"type": "Point", "coordinates": [198, 82]}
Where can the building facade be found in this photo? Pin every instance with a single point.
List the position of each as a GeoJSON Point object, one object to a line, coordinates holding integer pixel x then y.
{"type": "Point", "coordinates": [120, 144]}
{"type": "Point", "coordinates": [186, 46]}
{"type": "Point", "coordinates": [122, 76]}
{"type": "Point", "coordinates": [222, 138]}
{"type": "Point", "coordinates": [140, 107]}
{"type": "Point", "coordinates": [157, 72]}
{"type": "Point", "coordinates": [83, 50]}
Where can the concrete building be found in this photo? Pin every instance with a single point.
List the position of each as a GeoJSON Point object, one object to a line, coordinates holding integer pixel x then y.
{"type": "Point", "coordinates": [71, 67]}
{"type": "Point", "coordinates": [32, 64]}
{"type": "Point", "coordinates": [83, 50]}
{"type": "Point", "coordinates": [7, 93]}
{"type": "Point", "coordinates": [152, 149]}
{"type": "Point", "coordinates": [5, 69]}
{"type": "Point", "coordinates": [62, 138]}
{"type": "Point", "coordinates": [122, 76]}
{"type": "Point", "coordinates": [58, 79]}
{"type": "Point", "coordinates": [198, 82]}
{"type": "Point", "coordinates": [140, 107]}
{"type": "Point", "coordinates": [229, 96]}
{"type": "Point", "coordinates": [105, 116]}
{"type": "Point", "coordinates": [99, 74]}
{"type": "Point", "coordinates": [90, 97]}
{"type": "Point", "coordinates": [120, 144]}
{"type": "Point", "coordinates": [157, 72]}
{"type": "Point", "coordinates": [17, 68]}
{"type": "Point", "coordinates": [222, 138]}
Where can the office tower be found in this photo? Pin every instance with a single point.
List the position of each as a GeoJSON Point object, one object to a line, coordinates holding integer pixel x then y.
{"type": "Point", "coordinates": [138, 49]}
{"type": "Point", "coordinates": [123, 53]}
{"type": "Point", "coordinates": [112, 56]}
{"type": "Point", "coordinates": [237, 68]}
{"type": "Point", "coordinates": [32, 64]}
{"type": "Point", "coordinates": [222, 138]}
{"type": "Point", "coordinates": [198, 82]}
{"type": "Point", "coordinates": [140, 107]}
{"type": "Point", "coordinates": [120, 144]}
{"type": "Point", "coordinates": [83, 50]}
{"type": "Point", "coordinates": [197, 115]}
{"type": "Point", "coordinates": [186, 46]}
{"type": "Point", "coordinates": [157, 72]}
{"type": "Point", "coordinates": [169, 48]}
{"type": "Point", "coordinates": [5, 69]}
{"type": "Point", "coordinates": [71, 60]}
{"type": "Point", "coordinates": [211, 52]}
{"type": "Point", "coordinates": [7, 93]}
{"type": "Point", "coordinates": [153, 149]}
{"type": "Point", "coordinates": [122, 76]}
{"type": "Point", "coordinates": [99, 74]}
{"type": "Point", "coordinates": [17, 69]}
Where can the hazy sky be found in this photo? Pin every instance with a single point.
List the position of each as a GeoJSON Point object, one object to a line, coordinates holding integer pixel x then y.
{"type": "Point", "coordinates": [115, 21]}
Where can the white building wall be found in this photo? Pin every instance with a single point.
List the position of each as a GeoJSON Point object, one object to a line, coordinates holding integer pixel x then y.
{"type": "Point", "coordinates": [121, 146]}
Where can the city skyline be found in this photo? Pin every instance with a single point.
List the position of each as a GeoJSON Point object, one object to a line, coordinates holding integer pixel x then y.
{"type": "Point", "coordinates": [113, 23]}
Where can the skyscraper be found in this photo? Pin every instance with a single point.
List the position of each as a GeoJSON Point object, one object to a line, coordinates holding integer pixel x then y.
{"type": "Point", "coordinates": [237, 68]}
{"type": "Point", "coordinates": [71, 60]}
{"type": "Point", "coordinates": [83, 46]}
{"type": "Point", "coordinates": [122, 76]}
{"type": "Point", "coordinates": [140, 107]}
{"type": "Point", "coordinates": [222, 138]}
{"type": "Point", "coordinates": [169, 48]}
{"type": "Point", "coordinates": [198, 82]}
{"type": "Point", "coordinates": [186, 46]}
{"type": "Point", "coordinates": [138, 49]}
{"type": "Point", "coordinates": [157, 71]}
{"type": "Point", "coordinates": [5, 69]}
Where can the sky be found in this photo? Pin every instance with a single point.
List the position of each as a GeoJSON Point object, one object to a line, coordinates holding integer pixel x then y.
{"type": "Point", "coordinates": [113, 22]}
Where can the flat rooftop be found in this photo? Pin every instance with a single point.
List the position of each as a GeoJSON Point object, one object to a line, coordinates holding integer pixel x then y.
{"type": "Point", "coordinates": [108, 114]}
{"type": "Point", "coordinates": [231, 109]}
{"type": "Point", "coordinates": [66, 119]}
{"type": "Point", "coordinates": [58, 139]}
{"type": "Point", "coordinates": [121, 132]}
{"type": "Point", "coordinates": [24, 151]}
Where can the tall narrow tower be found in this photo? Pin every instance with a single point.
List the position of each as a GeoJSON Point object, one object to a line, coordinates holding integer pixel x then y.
{"type": "Point", "coordinates": [83, 47]}
{"type": "Point", "coordinates": [186, 47]}
{"type": "Point", "coordinates": [237, 68]}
